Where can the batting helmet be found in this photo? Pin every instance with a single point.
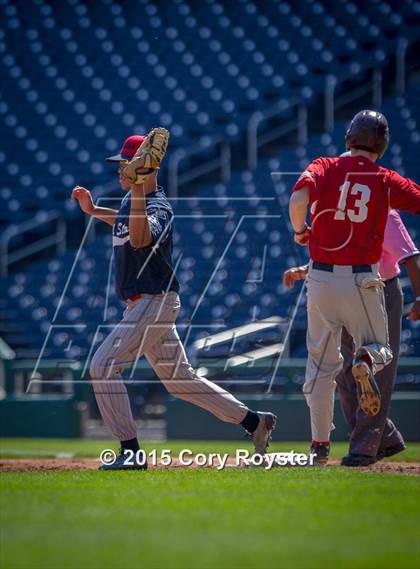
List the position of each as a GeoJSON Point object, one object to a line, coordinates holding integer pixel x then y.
{"type": "Point", "coordinates": [369, 131]}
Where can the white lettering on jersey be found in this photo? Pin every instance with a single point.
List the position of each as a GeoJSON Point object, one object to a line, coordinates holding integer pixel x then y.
{"type": "Point", "coordinates": [121, 229]}
{"type": "Point", "coordinates": [362, 192]}
{"type": "Point", "coordinates": [120, 235]}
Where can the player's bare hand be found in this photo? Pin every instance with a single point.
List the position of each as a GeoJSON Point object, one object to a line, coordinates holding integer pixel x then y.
{"type": "Point", "coordinates": [293, 275]}
{"type": "Point", "coordinates": [84, 197]}
{"type": "Point", "coordinates": [303, 237]}
{"type": "Point", "coordinates": [414, 313]}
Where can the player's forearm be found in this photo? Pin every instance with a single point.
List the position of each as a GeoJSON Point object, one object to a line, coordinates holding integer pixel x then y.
{"type": "Point", "coordinates": [413, 270]}
{"type": "Point", "coordinates": [298, 208]}
{"type": "Point", "coordinates": [138, 226]}
{"type": "Point", "coordinates": [105, 214]}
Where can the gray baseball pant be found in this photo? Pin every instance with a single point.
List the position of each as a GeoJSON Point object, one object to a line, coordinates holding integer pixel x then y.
{"type": "Point", "coordinates": [148, 328]}
{"type": "Point", "coordinates": [335, 300]}
{"type": "Point", "coordinates": [373, 434]}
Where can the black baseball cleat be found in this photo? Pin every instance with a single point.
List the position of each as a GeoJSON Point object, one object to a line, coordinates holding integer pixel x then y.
{"type": "Point", "coordinates": [368, 392]}
{"type": "Point", "coordinates": [390, 451]}
{"type": "Point", "coordinates": [261, 437]}
{"type": "Point", "coordinates": [353, 459]}
{"type": "Point", "coordinates": [126, 461]}
{"type": "Point", "coordinates": [321, 452]}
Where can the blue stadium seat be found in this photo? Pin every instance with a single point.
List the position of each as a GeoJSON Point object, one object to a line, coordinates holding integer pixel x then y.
{"type": "Point", "coordinates": [79, 77]}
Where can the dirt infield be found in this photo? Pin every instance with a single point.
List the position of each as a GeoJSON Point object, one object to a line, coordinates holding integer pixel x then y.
{"type": "Point", "coordinates": [80, 464]}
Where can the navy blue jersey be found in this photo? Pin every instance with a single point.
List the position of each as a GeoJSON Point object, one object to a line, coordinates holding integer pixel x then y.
{"type": "Point", "coordinates": [145, 269]}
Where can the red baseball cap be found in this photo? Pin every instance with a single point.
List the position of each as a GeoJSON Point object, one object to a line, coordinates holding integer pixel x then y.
{"type": "Point", "coordinates": [129, 148]}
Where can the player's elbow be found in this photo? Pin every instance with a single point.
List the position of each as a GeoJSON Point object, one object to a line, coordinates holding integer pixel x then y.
{"type": "Point", "coordinates": [300, 198]}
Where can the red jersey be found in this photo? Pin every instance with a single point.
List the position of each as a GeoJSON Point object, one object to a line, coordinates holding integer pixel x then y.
{"type": "Point", "coordinates": [350, 197]}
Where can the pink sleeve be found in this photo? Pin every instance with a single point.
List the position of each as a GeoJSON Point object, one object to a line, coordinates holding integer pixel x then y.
{"type": "Point", "coordinates": [405, 194]}
{"type": "Point", "coordinates": [397, 240]}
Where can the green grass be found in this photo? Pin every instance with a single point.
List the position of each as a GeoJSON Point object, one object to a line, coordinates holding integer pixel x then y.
{"type": "Point", "coordinates": [303, 518]}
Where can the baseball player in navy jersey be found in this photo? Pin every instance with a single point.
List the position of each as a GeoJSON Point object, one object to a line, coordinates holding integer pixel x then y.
{"type": "Point", "coordinates": [349, 199]}
{"type": "Point", "coordinates": [145, 280]}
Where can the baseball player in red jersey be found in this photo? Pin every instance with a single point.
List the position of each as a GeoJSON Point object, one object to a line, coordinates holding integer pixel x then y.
{"type": "Point", "coordinates": [375, 438]}
{"type": "Point", "coordinates": [349, 199]}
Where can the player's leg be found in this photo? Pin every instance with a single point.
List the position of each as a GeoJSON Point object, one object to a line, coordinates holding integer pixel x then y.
{"type": "Point", "coordinates": [364, 315]}
{"type": "Point", "coordinates": [392, 440]}
{"type": "Point", "coordinates": [119, 350]}
{"type": "Point", "coordinates": [345, 381]}
{"type": "Point", "coordinates": [373, 436]}
{"type": "Point", "coordinates": [323, 365]}
{"type": "Point", "coordinates": [324, 359]}
{"type": "Point", "coordinates": [169, 360]}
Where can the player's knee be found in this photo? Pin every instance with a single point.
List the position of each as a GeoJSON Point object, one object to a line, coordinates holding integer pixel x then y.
{"type": "Point", "coordinates": [318, 391]}
{"type": "Point", "coordinates": [176, 373]}
{"type": "Point", "coordinates": [307, 395]}
{"type": "Point", "coordinates": [96, 368]}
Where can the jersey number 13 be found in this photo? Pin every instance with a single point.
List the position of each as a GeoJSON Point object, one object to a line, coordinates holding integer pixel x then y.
{"type": "Point", "coordinates": [360, 213]}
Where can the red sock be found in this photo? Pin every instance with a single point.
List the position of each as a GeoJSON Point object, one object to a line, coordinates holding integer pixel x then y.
{"type": "Point", "coordinates": [325, 443]}
{"type": "Point", "coordinates": [367, 359]}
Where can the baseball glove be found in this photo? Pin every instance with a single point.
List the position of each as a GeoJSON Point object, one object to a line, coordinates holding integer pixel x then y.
{"type": "Point", "coordinates": [148, 157]}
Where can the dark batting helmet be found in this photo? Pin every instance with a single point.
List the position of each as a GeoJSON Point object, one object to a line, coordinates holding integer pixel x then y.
{"type": "Point", "coordinates": [369, 131]}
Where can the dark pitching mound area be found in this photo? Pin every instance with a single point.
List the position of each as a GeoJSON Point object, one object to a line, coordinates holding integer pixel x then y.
{"type": "Point", "coordinates": [72, 464]}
